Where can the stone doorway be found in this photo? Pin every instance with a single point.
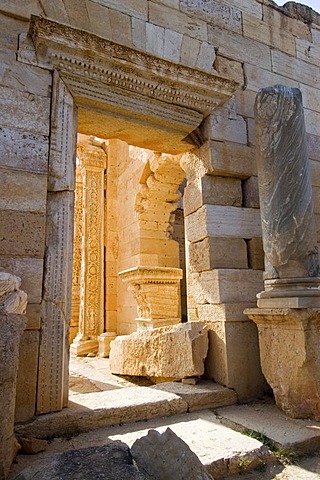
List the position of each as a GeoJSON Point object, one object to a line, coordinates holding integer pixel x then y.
{"type": "Point", "coordinates": [152, 102]}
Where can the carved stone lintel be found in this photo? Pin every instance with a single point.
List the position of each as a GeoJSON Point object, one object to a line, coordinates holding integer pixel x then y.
{"type": "Point", "coordinates": [157, 293]}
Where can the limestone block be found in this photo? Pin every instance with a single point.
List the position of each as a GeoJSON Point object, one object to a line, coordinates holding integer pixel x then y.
{"type": "Point", "coordinates": [27, 376]}
{"type": "Point", "coordinates": [224, 312]}
{"type": "Point", "coordinates": [133, 8]}
{"type": "Point", "coordinates": [233, 358]}
{"type": "Point", "coordinates": [223, 221]}
{"type": "Point", "coordinates": [23, 10]}
{"type": "Point", "coordinates": [8, 283]}
{"type": "Point", "coordinates": [219, 126]}
{"type": "Point", "coordinates": [250, 190]}
{"type": "Point", "coordinates": [251, 131]}
{"type": "Point", "coordinates": [206, 57]}
{"type": "Point", "coordinates": [307, 52]}
{"type": "Point", "coordinates": [138, 33]}
{"type": "Point", "coordinates": [221, 191]}
{"type": "Point", "coordinates": [221, 15]}
{"type": "Point", "coordinates": [179, 22]}
{"type": "Point", "coordinates": [245, 103]}
{"type": "Point", "coordinates": [291, 67]}
{"type": "Point", "coordinates": [99, 19]}
{"type": "Point", "coordinates": [165, 455]}
{"type": "Point", "coordinates": [22, 150]}
{"type": "Point", "coordinates": [315, 173]}
{"type": "Point", "coordinates": [216, 252]}
{"type": "Point", "coordinates": [192, 198]}
{"type": "Point", "coordinates": [31, 446]}
{"type": "Point", "coordinates": [260, 30]}
{"type": "Point", "coordinates": [22, 233]}
{"type": "Point", "coordinates": [249, 6]}
{"type": "Point", "coordinates": [278, 21]}
{"type": "Point", "coordinates": [189, 50]}
{"type": "Point", "coordinates": [313, 142]}
{"type": "Point", "coordinates": [310, 97]}
{"type": "Point", "coordinates": [259, 77]}
{"type": "Point", "coordinates": [289, 352]}
{"type": "Point", "coordinates": [23, 191]}
{"type": "Point", "coordinates": [25, 78]}
{"type": "Point", "coordinates": [31, 112]}
{"type": "Point", "coordinates": [33, 316]}
{"type": "Point", "coordinates": [172, 45]}
{"type": "Point", "coordinates": [120, 27]}
{"type": "Point", "coordinates": [228, 159]}
{"type": "Point", "coordinates": [312, 120]}
{"type": "Point", "coordinates": [155, 39]}
{"type": "Point", "coordinates": [11, 328]}
{"type": "Point", "coordinates": [240, 48]}
{"type": "Point", "coordinates": [255, 253]}
{"type": "Point", "coordinates": [229, 69]}
{"type": "Point", "coordinates": [168, 352]}
{"type": "Point", "coordinates": [226, 286]}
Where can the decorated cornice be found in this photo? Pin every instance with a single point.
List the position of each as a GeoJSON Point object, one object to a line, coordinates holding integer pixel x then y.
{"type": "Point", "coordinates": [144, 275]}
{"type": "Point", "coordinates": [77, 53]}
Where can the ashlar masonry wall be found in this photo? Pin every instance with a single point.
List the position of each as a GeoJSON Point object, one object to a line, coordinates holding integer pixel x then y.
{"type": "Point", "coordinates": [253, 42]}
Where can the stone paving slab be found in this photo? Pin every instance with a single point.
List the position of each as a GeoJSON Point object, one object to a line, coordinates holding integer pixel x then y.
{"type": "Point", "coordinates": [221, 450]}
{"type": "Point", "coordinates": [99, 409]}
{"type": "Point", "coordinates": [303, 436]}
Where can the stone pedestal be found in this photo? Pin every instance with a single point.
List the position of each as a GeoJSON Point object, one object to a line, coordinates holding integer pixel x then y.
{"type": "Point", "coordinates": [290, 357]}
{"type": "Point", "coordinates": [104, 343]}
{"type": "Point", "coordinates": [157, 293]}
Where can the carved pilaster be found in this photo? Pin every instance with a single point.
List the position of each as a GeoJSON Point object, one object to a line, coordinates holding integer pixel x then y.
{"type": "Point", "coordinates": [52, 394]}
{"type": "Point", "coordinates": [157, 293]}
{"type": "Point", "coordinates": [77, 255]}
{"type": "Point", "coordinates": [91, 320]}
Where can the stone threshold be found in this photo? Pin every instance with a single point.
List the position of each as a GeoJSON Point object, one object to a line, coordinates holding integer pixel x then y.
{"type": "Point", "coordinates": [116, 407]}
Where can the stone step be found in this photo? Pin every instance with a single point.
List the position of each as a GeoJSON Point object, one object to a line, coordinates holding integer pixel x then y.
{"type": "Point", "coordinates": [100, 409]}
{"type": "Point", "coordinates": [299, 436]}
{"type": "Point", "coordinates": [220, 449]}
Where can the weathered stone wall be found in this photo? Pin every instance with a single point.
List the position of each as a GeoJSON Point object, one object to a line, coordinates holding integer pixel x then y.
{"type": "Point", "coordinates": [251, 41]}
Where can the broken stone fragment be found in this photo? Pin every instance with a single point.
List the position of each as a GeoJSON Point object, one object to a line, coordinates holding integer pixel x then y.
{"type": "Point", "coordinates": [8, 283]}
{"type": "Point", "coordinates": [31, 446]}
{"type": "Point", "coordinates": [177, 351]}
{"type": "Point", "coordinates": [110, 462]}
{"type": "Point", "coordinates": [160, 456]}
{"type": "Point", "coordinates": [15, 302]}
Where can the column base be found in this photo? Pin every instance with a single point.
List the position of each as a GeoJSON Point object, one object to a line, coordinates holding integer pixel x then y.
{"type": "Point", "coordinates": [104, 343]}
{"type": "Point", "coordinates": [81, 348]}
{"type": "Point", "coordinates": [290, 357]}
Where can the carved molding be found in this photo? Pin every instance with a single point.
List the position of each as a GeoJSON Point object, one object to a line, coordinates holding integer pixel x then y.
{"type": "Point", "coordinates": [80, 54]}
{"type": "Point", "coordinates": [150, 286]}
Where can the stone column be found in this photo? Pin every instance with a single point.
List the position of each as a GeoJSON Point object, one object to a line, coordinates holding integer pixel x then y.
{"type": "Point", "coordinates": [288, 227]}
{"type": "Point", "coordinates": [91, 321]}
{"type": "Point", "coordinates": [288, 317]}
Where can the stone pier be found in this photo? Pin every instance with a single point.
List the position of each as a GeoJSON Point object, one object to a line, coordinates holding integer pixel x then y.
{"type": "Point", "coordinates": [288, 313]}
